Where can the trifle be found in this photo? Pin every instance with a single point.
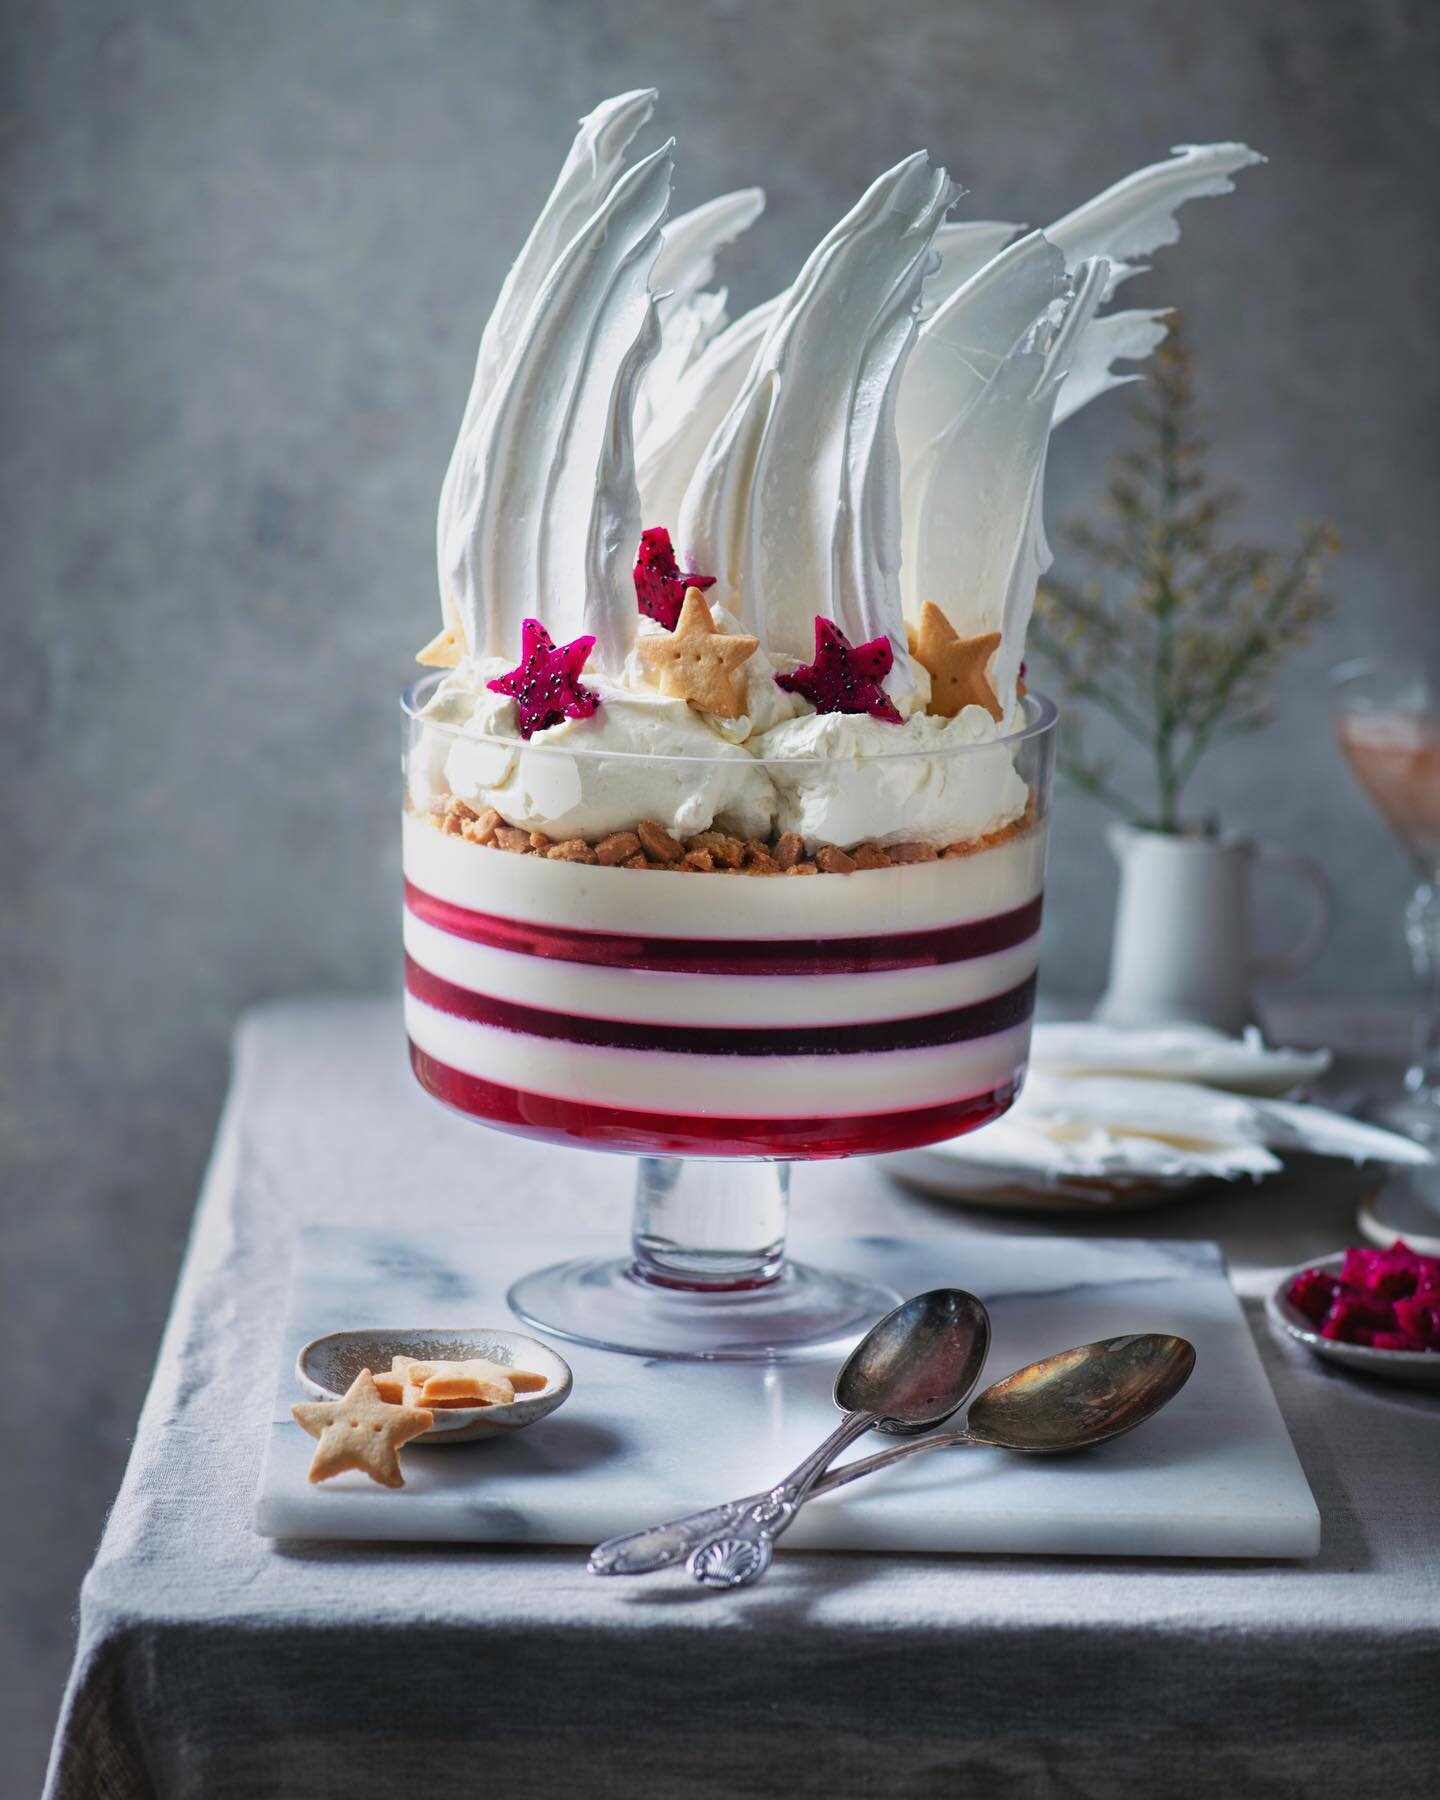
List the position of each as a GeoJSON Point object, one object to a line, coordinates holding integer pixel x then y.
{"type": "Point", "coordinates": [725, 803]}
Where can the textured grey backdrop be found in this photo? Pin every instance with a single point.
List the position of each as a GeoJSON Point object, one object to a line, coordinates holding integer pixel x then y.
{"type": "Point", "coordinates": [248, 253]}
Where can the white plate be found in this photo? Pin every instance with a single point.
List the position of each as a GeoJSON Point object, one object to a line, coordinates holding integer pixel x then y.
{"type": "Point", "coordinates": [1176, 1053]}
{"type": "Point", "coordinates": [1420, 1367]}
{"type": "Point", "coordinates": [1001, 1187]}
{"type": "Point", "coordinates": [327, 1365]}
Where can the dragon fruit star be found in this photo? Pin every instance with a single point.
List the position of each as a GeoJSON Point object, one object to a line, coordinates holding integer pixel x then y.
{"type": "Point", "coordinates": [844, 677]}
{"type": "Point", "coordinates": [659, 584]}
{"type": "Point", "coordinates": [546, 686]}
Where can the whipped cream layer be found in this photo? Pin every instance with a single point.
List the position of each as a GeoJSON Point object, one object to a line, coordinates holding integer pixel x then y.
{"type": "Point", "coordinates": [891, 783]}
{"type": "Point", "coordinates": [480, 757]}
{"type": "Point", "coordinates": [834, 778]}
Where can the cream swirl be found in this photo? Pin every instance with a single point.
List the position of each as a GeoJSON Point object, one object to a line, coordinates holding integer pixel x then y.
{"type": "Point", "coordinates": [844, 778]}
{"type": "Point", "coordinates": [641, 755]}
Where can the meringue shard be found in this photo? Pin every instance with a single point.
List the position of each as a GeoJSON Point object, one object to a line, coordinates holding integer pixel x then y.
{"type": "Point", "coordinates": [589, 171]}
{"type": "Point", "coordinates": [671, 445]}
{"type": "Point", "coordinates": [546, 513]}
{"type": "Point", "coordinates": [965, 246]}
{"type": "Point", "coordinates": [964, 331]}
{"type": "Point", "coordinates": [1137, 215]}
{"type": "Point", "coordinates": [794, 506]}
{"type": "Point", "coordinates": [680, 423]}
{"type": "Point", "coordinates": [959, 348]}
{"type": "Point", "coordinates": [689, 315]}
{"type": "Point", "coordinates": [974, 327]}
{"type": "Point", "coordinates": [1111, 338]}
{"type": "Point", "coordinates": [979, 535]}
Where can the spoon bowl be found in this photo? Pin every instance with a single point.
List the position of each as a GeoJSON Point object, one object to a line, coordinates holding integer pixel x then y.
{"type": "Point", "coordinates": [1082, 1396]}
{"type": "Point", "coordinates": [1064, 1402]}
{"type": "Point", "coordinates": [918, 1364]}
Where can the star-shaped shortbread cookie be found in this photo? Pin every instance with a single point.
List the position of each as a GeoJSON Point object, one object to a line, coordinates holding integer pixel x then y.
{"type": "Point", "coordinates": [444, 651]}
{"type": "Point", "coordinates": [957, 665]}
{"type": "Point", "coordinates": [697, 661]}
{"type": "Point", "coordinates": [360, 1432]}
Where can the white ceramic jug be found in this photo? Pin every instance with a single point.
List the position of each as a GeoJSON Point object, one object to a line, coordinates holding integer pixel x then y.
{"type": "Point", "coordinates": [1182, 928]}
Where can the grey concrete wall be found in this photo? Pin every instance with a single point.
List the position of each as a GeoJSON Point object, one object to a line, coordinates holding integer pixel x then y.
{"type": "Point", "coordinates": [248, 252]}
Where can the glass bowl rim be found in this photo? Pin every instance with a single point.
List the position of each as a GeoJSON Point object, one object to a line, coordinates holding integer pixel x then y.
{"type": "Point", "coordinates": [1045, 716]}
{"type": "Point", "coordinates": [1347, 684]}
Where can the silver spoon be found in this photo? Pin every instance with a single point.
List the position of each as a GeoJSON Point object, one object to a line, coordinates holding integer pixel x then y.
{"type": "Point", "coordinates": [1068, 1401]}
{"type": "Point", "coordinates": [910, 1371]}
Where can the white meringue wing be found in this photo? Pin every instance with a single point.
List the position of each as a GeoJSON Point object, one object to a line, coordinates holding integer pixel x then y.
{"type": "Point", "coordinates": [980, 535]}
{"type": "Point", "coordinates": [684, 269]}
{"type": "Point", "coordinates": [670, 446]}
{"type": "Point", "coordinates": [671, 439]}
{"type": "Point", "coordinates": [959, 348]}
{"type": "Point", "coordinates": [1114, 337]}
{"type": "Point", "coordinates": [548, 511]}
{"type": "Point", "coordinates": [1137, 215]}
{"type": "Point", "coordinates": [589, 171]}
{"type": "Point", "coordinates": [688, 248]}
{"type": "Point", "coordinates": [610, 613]}
{"type": "Point", "coordinates": [794, 503]}
{"type": "Point", "coordinates": [965, 246]}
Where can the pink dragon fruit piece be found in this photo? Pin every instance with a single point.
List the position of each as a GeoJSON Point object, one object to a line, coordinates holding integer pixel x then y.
{"type": "Point", "coordinates": [659, 582]}
{"type": "Point", "coordinates": [546, 686]}
{"type": "Point", "coordinates": [1390, 1274]}
{"type": "Point", "coordinates": [844, 677]}
{"type": "Point", "coordinates": [1355, 1318]}
{"type": "Point", "coordinates": [1311, 1293]}
{"type": "Point", "coordinates": [1420, 1323]}
{"type": "Point", "coordinates": [1386, 1298]}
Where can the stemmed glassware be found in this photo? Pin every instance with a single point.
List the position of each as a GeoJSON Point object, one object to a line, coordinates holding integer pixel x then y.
{"type": "Point", "coordinates": [715, 1025]}
{"type": "Point", "coordinates": [1387, 721]}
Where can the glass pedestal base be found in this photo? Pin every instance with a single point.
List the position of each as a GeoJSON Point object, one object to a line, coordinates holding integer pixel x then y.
{"type": "Point", "coordinates": [801, 1311]}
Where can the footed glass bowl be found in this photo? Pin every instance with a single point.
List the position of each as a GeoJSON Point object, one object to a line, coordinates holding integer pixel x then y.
{"type": "Point", "coordinates": [718, 1006]}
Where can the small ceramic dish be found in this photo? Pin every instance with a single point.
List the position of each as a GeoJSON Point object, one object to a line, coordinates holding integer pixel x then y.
{"type": "Point", "coordinates": [1418, 1367]}
{"type": "Point", "coordinates": [327, 1366]}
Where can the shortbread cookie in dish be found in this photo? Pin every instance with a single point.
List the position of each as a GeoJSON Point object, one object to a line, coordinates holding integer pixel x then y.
{"type": "Point", "coordinates": [360, 1431]}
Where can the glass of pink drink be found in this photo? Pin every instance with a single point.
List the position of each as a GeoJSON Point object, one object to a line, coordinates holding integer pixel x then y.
{"type": "Point", "coordinates": [1387, 721]}
{"type": "Point", "coordinates": [718, 1025]}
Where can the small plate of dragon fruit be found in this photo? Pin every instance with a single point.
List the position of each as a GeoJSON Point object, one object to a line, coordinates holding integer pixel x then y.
{"type": "Point", "coordinates": [1377, 1311]}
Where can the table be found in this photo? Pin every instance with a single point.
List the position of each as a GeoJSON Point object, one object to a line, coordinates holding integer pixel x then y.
{"type": "Point", "coordinates": [212, 1662]}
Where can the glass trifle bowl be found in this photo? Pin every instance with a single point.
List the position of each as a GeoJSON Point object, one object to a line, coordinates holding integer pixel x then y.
{"type": "Point", "coordinates": [749, 1004]}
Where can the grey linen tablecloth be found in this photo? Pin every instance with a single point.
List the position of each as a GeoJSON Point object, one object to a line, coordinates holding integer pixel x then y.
{"type": "Point", "coordinates": [211, 1662]}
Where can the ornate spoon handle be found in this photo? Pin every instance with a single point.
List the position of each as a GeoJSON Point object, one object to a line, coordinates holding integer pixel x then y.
{"type": "Point", "coordinates": [739, 1551]}
{"type": "Point", "coordinates": [662, 1546]}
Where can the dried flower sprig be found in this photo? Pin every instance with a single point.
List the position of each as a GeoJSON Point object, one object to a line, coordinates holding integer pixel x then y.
{"type": "Point", "coordinates": [1178, 635]}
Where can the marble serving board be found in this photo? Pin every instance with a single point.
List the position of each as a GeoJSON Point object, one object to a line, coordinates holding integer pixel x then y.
{"type": "Point", "coordinates": [1213, 1476]}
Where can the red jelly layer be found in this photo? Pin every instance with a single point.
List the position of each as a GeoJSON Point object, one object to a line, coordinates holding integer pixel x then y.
{"type": "Point", "coordinates": [637, 1133]}
{"type": "Point", "coordinates": [738, 956]}
{"type": "Point", "coordinates": [982, 1018]}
